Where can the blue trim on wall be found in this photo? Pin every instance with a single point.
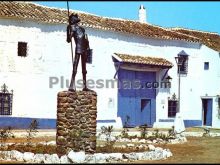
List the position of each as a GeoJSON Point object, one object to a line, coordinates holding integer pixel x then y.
{"type": "Point", "coordinates": [23, 123]}
{"type": "Point", "coordinates": [166, 120]}
{"type": "Point", "coordinates": [187, 123]}
{"type": "Point", "coordinates": [192, 123]}
{"type": "Point", "coordinates": [106, 121]}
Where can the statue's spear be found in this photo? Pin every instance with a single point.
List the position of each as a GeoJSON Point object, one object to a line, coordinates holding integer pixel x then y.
{"type": "Point", "coordinates": [71, 37]}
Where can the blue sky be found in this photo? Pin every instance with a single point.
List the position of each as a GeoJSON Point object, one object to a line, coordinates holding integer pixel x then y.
{"type": "Point", "coordinates": [194, 15]}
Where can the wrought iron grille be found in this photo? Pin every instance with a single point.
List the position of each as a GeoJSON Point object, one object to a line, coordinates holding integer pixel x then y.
{"type": "Point", "coordinates": [184, 66]}
{"type": "Point", "coordinates": [172, 106]}
{"type": "Point", "coordinates": [6, 99]}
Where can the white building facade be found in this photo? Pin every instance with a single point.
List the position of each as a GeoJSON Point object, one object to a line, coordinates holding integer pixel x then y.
{"type": "Point", "coordinates": [37, 76]}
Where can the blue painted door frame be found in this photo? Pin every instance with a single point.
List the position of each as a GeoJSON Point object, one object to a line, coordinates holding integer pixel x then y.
{"type": "Point", "coordinates": [136, 106]}
{"type": "Point", "coordinates": [207, 111]}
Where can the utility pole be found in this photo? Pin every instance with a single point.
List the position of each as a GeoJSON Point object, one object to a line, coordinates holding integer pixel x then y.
{"type": "Point", "coordinates": [179, 64]}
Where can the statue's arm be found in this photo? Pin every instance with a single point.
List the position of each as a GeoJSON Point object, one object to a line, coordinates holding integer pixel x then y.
{"type": "Point", "coordinates": [68, 34]}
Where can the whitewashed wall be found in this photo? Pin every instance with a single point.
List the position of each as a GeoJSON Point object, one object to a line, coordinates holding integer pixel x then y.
{"type": "Point", "coordinates": [49, 56]}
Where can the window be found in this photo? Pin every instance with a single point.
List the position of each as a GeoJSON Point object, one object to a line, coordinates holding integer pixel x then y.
{"type": "Point", "coordinates": [22, 49]}
{"type": "Point", "coordinates": [5, 101]}
{"type": "Point", "coordinates": [172, 106]}
{"type": "Point", "coordinates": [144, 104]}
{"type": "Point", "coordinates": [206, 65]}
{"type": "Point", "coordinates": [183, 60]}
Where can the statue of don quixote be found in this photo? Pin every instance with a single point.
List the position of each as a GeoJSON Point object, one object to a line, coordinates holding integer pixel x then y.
{"type": "Point", "coordinates": [82, 49]}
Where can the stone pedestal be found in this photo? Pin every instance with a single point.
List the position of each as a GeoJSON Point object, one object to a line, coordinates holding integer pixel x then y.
{"type": "Point", "coordinates": [76, 121]}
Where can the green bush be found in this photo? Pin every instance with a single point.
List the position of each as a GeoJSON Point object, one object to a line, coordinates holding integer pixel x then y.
{"type": "Point", "coordinates": [144, 131]}
{"type": "Point", "coordinates": [32, 131]}
{"type": "Point", "coordinates": [124, 133]}
{"type": "Point", "coordinates": [5, 133]}
{"type": "Point", "coordinates": [107, 131]}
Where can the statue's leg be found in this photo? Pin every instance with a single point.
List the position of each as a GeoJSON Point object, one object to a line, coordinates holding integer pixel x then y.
{"type": "Point", "coordinates": [84, 71]}
{"type": "Point", "coordinates": [72, 86]}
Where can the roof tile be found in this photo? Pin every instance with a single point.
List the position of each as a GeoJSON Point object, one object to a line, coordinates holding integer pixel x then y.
{"type": "Point", "coordinates": [34, 12]}
{"type": "Point", "coordinates": [137, 59]}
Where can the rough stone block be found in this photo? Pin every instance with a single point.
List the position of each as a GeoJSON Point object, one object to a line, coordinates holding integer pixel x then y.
{"type": "Point", "coordinates": [76, 121]}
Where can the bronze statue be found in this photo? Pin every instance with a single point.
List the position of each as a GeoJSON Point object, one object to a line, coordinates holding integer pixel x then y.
{"type": "Point", "coordinates": [82, 48]}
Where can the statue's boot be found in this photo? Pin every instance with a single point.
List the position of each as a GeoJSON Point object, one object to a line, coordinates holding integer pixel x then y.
{"type": "Point", "coordinates": [84, 83]}
{"type": "Point", "coordinates": [72, 86]}
{"type": "Point", "coordinates": [86, 89]}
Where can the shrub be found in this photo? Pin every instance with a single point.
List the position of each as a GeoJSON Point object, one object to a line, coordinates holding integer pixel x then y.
{"type": "Point", "coordinates": [124, 133]}
{"type": "Point", "coordinates": [144, 131]}
{"type": "Point", "coordinates": [32, 131]}
{"type": "Point", "coordinates": [158, 135]}
{"type": "Point", "coordinates": [107, 131]}
{"type": "Point", "coordinates": [206, 133]}
{"type": "Point", "coordinates": [5, 133]}
{"type": "Point", "coordinates": [171, 133]}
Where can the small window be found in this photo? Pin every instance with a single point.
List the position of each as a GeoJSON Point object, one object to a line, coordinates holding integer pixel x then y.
{"type": "Point", "coordinates": [5, 101]}
{"type": "Point", "coordinates": [22, 49]}
{"type": "Point", "coordinates": [206, 65]}
{"type": "Point", "coordinates": [184, 67]}
{"type": "Point", "coordinates": [144, 104]}
{"type": "Point", "coordinates": [172, 108]}
{"type": "Point", "coordinates": [172, 105]}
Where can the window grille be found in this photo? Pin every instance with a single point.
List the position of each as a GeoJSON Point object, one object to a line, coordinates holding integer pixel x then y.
{"type": "Point", "coordinates": [6, 99]}
{"type": "Point", "coordinates": [184, 67]}
{"type": "Point", "coordinates": [172, 106]}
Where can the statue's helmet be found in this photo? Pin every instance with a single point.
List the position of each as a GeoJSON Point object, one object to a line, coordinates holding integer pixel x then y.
{"type": "Point", "coordinates": [73, 19]}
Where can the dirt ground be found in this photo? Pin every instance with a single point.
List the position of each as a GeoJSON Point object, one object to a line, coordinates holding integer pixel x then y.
{"type": "Point", "coordinates": [196, 150]}
{"type": "Point", "coordinates": [34, 140]}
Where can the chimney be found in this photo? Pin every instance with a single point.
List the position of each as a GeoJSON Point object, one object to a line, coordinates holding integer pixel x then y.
{"type": "Point", "coordinates": [142, 14]}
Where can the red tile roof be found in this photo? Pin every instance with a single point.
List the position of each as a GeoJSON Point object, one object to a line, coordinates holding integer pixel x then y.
{"type": "Point", "coordinates": [34, 12]}
{"type": "Point", "coordinates": [212, 40]}
{"type": "Point", "coordinates": [136, 59]}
